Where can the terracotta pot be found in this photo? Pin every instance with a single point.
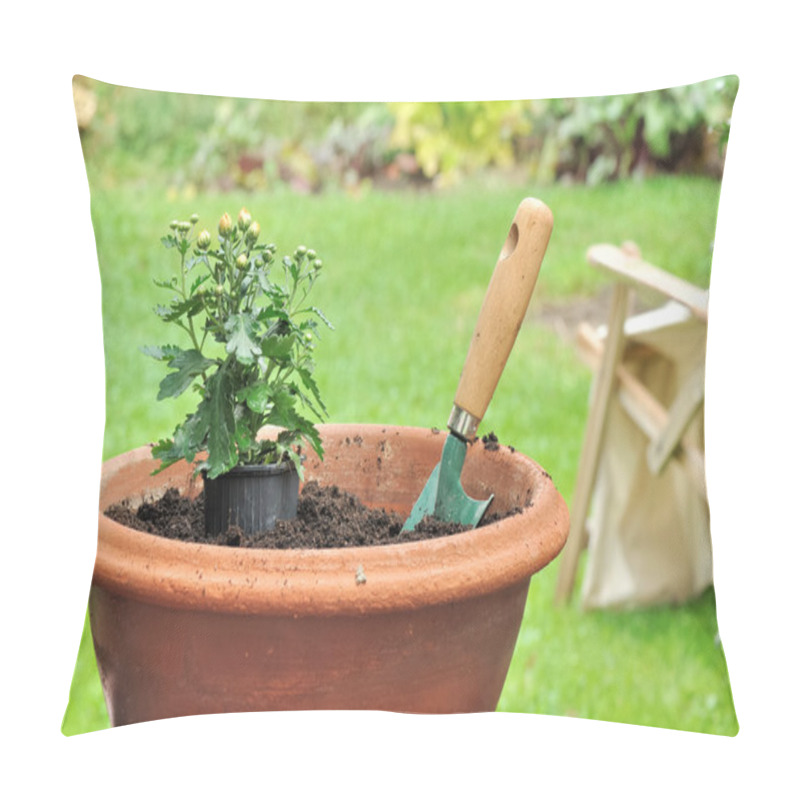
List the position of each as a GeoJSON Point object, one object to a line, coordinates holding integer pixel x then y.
{"type": "Point", "coordinates": [427, 627]}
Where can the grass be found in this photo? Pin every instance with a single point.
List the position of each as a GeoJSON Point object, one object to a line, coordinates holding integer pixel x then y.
{"type": "Point", "coordinates": [404, 278]}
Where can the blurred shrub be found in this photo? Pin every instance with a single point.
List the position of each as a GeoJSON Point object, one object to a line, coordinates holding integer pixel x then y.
{"type": "Point", "coordinates": [592, 139]}
{"type": "Point", "coordinates": [356, 150]}
{"type": "Point", "coordinates": [588, 139]}
{"type": "Point", "coordinates": [255, 144]}
{"type": "Point", "coordinates": [450, 139]}
{"type": "Point", "coordinates": [201, 141]}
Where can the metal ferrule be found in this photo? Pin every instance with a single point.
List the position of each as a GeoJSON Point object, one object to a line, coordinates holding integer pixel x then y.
{"type": "Point", "coordinates": [463, 424]}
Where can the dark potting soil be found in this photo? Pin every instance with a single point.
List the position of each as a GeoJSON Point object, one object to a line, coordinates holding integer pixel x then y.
{"type": "Point", "coordinates": [327, 517]}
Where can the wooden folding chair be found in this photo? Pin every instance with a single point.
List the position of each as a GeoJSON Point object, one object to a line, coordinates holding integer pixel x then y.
{"type": "Point", "coordinates": [608, 350]}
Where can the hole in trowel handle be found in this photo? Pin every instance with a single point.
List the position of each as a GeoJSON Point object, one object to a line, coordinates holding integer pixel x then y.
{"type": "Point", "coordinates": [511, 242]}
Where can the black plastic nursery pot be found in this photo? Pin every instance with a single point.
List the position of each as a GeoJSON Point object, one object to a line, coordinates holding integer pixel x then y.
{"type": "Point", "coordinates": [251, 497]}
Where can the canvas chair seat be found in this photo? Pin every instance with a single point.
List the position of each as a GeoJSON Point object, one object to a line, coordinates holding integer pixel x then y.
{"type": "Point", "coordinates": [640, 502]}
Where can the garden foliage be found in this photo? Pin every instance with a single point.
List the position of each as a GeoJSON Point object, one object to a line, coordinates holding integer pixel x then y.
{"type": "Point", "coordinates": [256, 145]}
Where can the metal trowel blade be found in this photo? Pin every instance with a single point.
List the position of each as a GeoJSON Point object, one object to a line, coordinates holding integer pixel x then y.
{"type": "Point", "coordinates": [443, 496]}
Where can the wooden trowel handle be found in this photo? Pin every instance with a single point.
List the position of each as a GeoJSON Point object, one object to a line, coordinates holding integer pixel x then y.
{"type": "Point", "coordinates": [504, 307]}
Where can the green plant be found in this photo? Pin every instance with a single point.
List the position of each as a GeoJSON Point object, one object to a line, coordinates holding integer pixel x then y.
{"type": "Point", "coordinates": [251, 360]}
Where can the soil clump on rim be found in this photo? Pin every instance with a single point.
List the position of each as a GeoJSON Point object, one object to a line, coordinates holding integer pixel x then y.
{"type": "Point", "coordinates": [327, 517]}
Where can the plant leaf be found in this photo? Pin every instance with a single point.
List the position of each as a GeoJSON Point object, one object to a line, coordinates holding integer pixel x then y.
{"type": "Point", "coordinates": [245, 443]}
{"type": "Point", "coordinates": [190, 437]}
{"type": "Point", "coordinates": [188, 364]}
{"type": "Point", "coordinates": [311, 385]}
{"type": "Point", "coordinates": [164, 451]}
{"type": "Point", "coordinates": [283, 412]}
{"type": "Point", "coordinates": [170, 284]}
{"type": "Point", "coordinates": [199, 282]}
{"type": "Point", "coordinates": [258, 397]}
{"type": "Point", "coordinates": [277, 346]}
{"type": "Point", "coordinates": [311, 435]}
{"type": "Point", "coordinates": [292, 454]}
{"type": "Point", "coordinates": [178, 308]}
{"type": "Point", "coordinates": [241, 341]}
{"type": "Point", "coordinates": [221, 423]}
{"type": "Point", "coordinates": [319, 313]}
{"type": "Point", "coordinates": [271, 313]}
{"type": "Point", "coordinates": [161, 353]}
{"type": "Point", "coordinates": [267, 287]}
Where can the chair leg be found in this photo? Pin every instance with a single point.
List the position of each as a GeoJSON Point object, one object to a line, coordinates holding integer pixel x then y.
{"type": "Point", "coordinates": [592, 443]}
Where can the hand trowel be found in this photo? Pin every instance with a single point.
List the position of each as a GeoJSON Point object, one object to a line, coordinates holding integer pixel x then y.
{"type": "Point", "coordinates": [504, 307]}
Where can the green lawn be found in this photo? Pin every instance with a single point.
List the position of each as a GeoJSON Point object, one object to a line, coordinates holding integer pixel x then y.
{"type": "Point", "coordinates": [403, 281]}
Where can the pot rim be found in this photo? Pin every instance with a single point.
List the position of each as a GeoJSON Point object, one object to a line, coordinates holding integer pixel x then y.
{"type": "Point", "coordinates": [327, 581]}
{"type": "Point", "coordinates": [254, 470]}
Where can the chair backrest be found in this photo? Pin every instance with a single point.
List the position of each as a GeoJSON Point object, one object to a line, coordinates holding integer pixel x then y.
{"type": "Point", "coordinates": [626, 265]}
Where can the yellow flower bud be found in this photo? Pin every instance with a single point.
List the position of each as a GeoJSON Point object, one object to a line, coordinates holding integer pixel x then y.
{"type": "Point", "coordinates": [253, 232]}
{"type": "Point", "coordinates": [225, 225]}
{"type": "Point", "coordinates": [244, 219]}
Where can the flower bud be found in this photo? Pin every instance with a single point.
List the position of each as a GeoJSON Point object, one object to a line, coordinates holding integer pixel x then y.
{"type": "Point", "coordinates": [241, 261]}
{"type": "Point", "coordinates": [317, 263]}
{"type": "Point", "coordinates": [225, 225]}
{"type": "Point", "coordinates": [204, 240]}
{"type": "Point", "coordinates": [300, 251]}
{"type": "Point", "coordinates": [184, 227]}
{"type": "Point", "coordinates": [253, 232]}
{"type": "Point", "coordinates": [194, 218]}
{"type": "Point", "coordinates": [174, 225]}
{"type": "Point", "coordinates": [219, 288]}
{"type": "Point", "coordinates": [244, 219]}
{"type": "Point", "coordinates": [312, 254]}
